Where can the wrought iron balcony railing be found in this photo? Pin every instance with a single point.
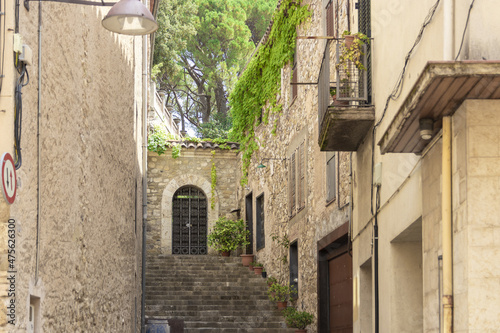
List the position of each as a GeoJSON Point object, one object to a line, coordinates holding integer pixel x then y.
{"type": "Point", "coordinates": [351, 75]}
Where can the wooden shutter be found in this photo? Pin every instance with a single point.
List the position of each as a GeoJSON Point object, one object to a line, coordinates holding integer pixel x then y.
{"type": "Point", "coordinates": [292, 185]}
{"type": "Point", "coordinates": [330, 30]}
{"type": "Point", "coordinates": [301, 177]}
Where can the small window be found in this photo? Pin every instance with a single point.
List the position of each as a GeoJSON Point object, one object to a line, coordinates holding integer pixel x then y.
{"type": "Point", "coordinates": [261, 239]}
{"type": "Point", "coordinates": [294, 267]}
{"type": "Point", "coordinates": [331, 177]}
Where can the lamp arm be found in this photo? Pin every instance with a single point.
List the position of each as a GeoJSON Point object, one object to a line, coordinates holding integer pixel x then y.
{"type": "Point", "coordinates": [77, 2]}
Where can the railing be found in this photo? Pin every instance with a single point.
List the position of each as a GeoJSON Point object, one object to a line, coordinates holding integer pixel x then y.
{"type": "Point", "coordinates": [352, 78]}
{"type": "Point", "coordinates": [324, 83]}
{"type": "Point", "coordinates": [163, 116]}
{"type": "Point", "coordinates": [346, 78]}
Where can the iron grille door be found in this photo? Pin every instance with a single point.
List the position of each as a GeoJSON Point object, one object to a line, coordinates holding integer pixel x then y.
{"type": "Point", "coordinates": [189, 221]}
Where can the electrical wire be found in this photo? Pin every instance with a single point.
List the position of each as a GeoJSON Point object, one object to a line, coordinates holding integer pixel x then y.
{"type": "Point", "coordinates": [4, 32]}
{"type": "Point", "coordinates": [22, 81]}
{"type": "Point", "coordinates": [396, 92]}
{"type": "Point", "coordinates": [465, 29]}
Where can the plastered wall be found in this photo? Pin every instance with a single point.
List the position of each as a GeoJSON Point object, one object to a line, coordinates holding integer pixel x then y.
{"type": "Point", "coordinates": [78, 244]}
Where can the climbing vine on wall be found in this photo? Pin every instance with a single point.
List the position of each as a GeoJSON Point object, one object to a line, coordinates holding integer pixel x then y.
{"type": "Point", "coordinates": [214, 180]}
{"type": "Point", "coordinates": [260, 83]}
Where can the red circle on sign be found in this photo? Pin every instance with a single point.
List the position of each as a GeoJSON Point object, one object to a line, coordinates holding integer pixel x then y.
{"type": "Point", "coordinates": [9, 180]}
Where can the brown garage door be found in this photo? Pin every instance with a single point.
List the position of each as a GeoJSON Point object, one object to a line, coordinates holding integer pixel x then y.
{"type": "Point", "coordinates": [340, 281]}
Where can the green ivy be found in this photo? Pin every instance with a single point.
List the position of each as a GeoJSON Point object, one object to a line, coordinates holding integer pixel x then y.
{"type": "Point", "coordinates": [214, 180]}
{"type": "Point", "coordinates": [157, 139]}
{"type": "Point", "coordinates": [260, 83]}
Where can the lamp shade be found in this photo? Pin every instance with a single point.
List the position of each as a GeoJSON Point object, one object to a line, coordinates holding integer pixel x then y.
{"type": "Point", "coordinates": [130, 17]}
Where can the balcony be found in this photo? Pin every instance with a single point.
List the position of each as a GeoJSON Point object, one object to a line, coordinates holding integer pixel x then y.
{"type": "Point", "coordinates": [344, 114]}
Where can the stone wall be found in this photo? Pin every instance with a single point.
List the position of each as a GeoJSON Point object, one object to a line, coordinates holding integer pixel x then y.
{"type": "Point", "coordinates": [79, 262]}
{"type": "Point", "coordinates": [166, 175]}
{"type": "Point", "coordinates": [297, 124]}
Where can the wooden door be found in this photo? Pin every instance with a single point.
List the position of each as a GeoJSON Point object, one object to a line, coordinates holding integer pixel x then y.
{"type": "Point", "coordinates": [340, 287]}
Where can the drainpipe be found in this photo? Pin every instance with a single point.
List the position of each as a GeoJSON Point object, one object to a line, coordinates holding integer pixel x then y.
{"type": "Point", "coordinates": [447, 235]}
{"type": "Point", "coordinates": [144, 173]}
{"type": "Point", "coordinates": [39, 147]}
{"type": "Point", "coordinates": [448, 31]}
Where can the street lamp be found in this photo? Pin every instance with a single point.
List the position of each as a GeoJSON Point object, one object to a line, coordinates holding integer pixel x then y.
{"type": "Point", "coordinates": [126, 17]}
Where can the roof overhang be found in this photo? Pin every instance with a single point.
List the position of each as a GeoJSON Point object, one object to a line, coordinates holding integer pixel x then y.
{"type": "Point", "coordinates": [440, 90]}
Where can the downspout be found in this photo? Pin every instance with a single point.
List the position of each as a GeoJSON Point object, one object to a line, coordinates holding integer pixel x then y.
{"type": "Point", "coordinates": [144, 174]}
{"type": "Point", "coordinates": [448, 31]}
{"type": "Point", "coordinates": [447, 229]}
{"type": "Point", "coordinates": [375, 261]}
{"type": "Point", "coordinates": [39, 147]}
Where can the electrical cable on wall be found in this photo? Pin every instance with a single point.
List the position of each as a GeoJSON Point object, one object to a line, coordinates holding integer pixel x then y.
{"type": "Point", "coordinates": [2, 19]}
{"type": "Point", "coordinates": [396, 92]}
{"type": "Point", "coordinates": [22, 81]}
{"type": "Point", "coordinates": [465, 29]}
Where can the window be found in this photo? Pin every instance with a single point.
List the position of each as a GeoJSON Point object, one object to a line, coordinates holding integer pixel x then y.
{"type": "Point", "coordinates": [261, 239]}
{"type": "Point", "coordinates": [296, 183]}
{"type": "Point", "coordinates": [294, 267]}
{"type": "Point", "coordinates": [331, 177]}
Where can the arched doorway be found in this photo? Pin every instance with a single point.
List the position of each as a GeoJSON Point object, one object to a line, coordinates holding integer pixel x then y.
{"type": "Point", "coordinates": [189, 221]}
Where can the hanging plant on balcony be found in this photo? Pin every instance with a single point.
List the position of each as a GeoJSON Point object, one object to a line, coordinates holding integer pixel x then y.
{"type": "Point", "coordinates": [352, 51]}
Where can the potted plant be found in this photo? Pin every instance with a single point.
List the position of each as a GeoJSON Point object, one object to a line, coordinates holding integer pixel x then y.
{"type": "Point", "coordinates": [227, 235]}
{"type": "Point", "coordinates": [352, 50]}
{"type": "Point", "coordinates": [264, 273]}
{"type": "Point", "coordinates": [298, 319]}
{"type": "Point", "coordinates": [280, 294]}
{"type": "Point", "coordinates": [271, 280]}
{"type": "Point", "coordinates": [246, 259]}
{"type": "Point", "coordinates": [257, 268]}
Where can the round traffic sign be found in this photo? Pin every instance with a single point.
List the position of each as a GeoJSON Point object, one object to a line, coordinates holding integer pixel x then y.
{"type": "Point", "coordinates": [9, 179]}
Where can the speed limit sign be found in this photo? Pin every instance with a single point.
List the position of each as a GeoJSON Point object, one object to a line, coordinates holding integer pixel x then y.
{"type": "Point", "coordinates": [9, 179]}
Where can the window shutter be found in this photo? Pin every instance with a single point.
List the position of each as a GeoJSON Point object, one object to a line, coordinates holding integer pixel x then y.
{"type": "Point", "coordinates": [329, 20]}
{"type": "Point", "coordinates": [301, 177]}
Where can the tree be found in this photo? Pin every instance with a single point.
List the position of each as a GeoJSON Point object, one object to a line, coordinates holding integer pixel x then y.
{"type": "Point", "coordinates": [197, 70]}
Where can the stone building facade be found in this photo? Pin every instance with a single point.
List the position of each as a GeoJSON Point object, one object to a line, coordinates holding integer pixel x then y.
{"type": "Point", "coordinates": [195, 168]}
{"type": "Point", "coordinates": [78, 210]}
{"type": "Point", "coordinates": [391, 206]}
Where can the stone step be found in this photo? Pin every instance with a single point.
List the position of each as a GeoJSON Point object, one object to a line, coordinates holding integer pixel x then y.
{"type": "Point", "coordinates": [239, 330]}
{"type": "Point", "coordinates": [208, 304]}
{"type": "Point", "coordinates": [210, 294]}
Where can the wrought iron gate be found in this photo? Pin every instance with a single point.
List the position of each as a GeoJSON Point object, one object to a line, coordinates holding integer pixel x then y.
{"type": "Point", "coordinates": [189, 221]}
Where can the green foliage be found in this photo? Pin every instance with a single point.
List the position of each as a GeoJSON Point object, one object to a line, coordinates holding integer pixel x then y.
{"type": "Point", "coordinates": [280, 293]}
{"type": "Point", "coordinates": [297, 319]}
{"type": "Point", "coordinates": [260, 82]}
{"type": "Point", "coordinates": [354, 52]}
{"type": "Point", "coordinates": [259, 13]}
{"type": "Point", "coordinates": [176, 150]}
{"type": "Point", "coordinates": [257, 264]}
{"type": "Point", "coordinates": [175, 27]}
{"type": "Point", "coordinates": [217, 128]}
{"type": "Point", "coordinates": [213, 180]}
{"type": "Point", "coordinates": [271, 280]}
{"type": "Point", "coordinates": [157, 139]}
{"type": "Point", "coordinates": [228, 235]}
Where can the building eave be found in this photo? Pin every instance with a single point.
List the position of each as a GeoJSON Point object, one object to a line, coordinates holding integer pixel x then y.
{"type": "Point", "coordinates": [440, 90]}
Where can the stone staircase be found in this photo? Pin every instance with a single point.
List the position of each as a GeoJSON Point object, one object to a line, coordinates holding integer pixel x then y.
{"type": "Point", "coordinates": [210, 294]}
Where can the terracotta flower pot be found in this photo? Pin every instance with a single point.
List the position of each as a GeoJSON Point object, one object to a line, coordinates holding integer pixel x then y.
{"type": "Point", "coordinates": [246, 259]}
{"type": "Point", "coordinates": [282, 305]}
{"type": "Point", "coordinates": [300, 331]}
{"type": "Point", "coordinates": [349, 39]}
{"type": "Point", "coordinates": [257, 270]}
{"type": "Point", "coordinates": [225, 253]}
